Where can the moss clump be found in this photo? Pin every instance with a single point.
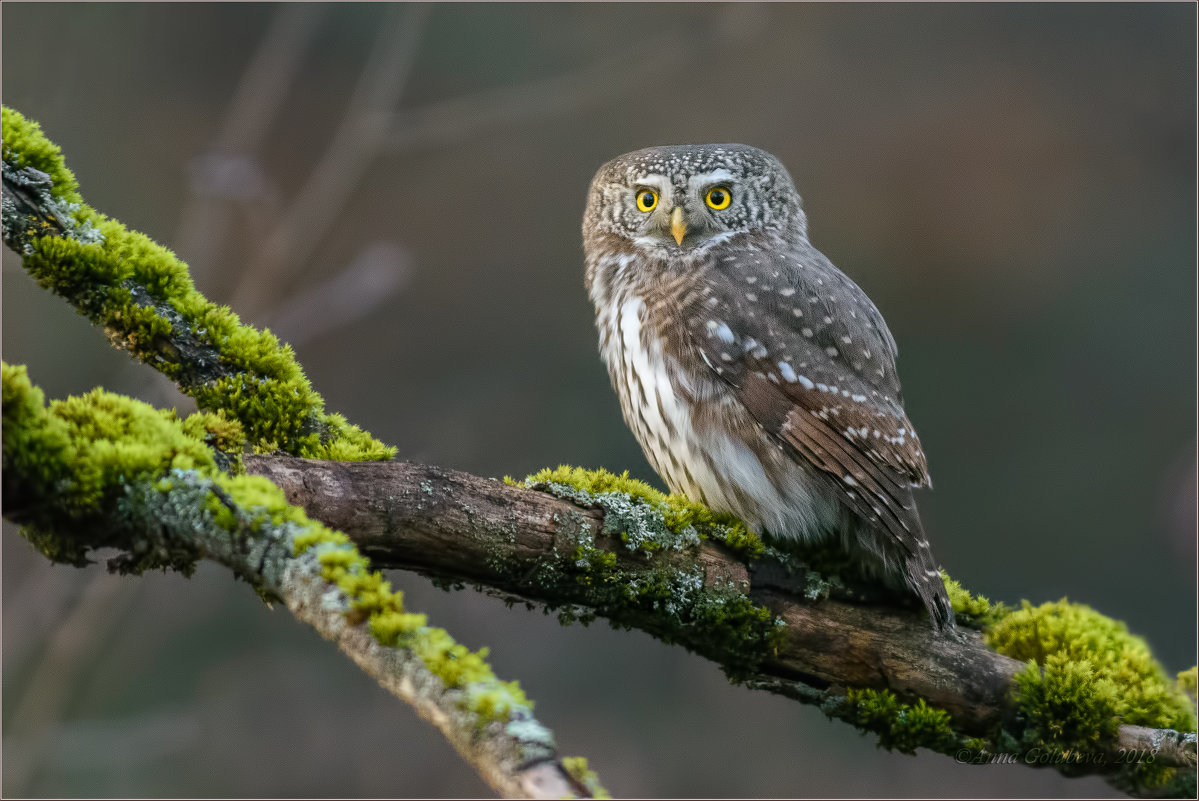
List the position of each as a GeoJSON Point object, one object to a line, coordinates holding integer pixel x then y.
{"type": "Point", "coordinates": [1086, 675]}
{"type": "Point", "coordinates": [26, 146]}
{"type": "Point", "coordinates": [645, 517]}
{"type": "Point", "coordinates": [255, 502]}
{"type": "Point", "coordinates": [87, 472]}
{"type": "Point", "coordinates": [972, 610]}
{"type": "Point", "coordinates": [734, 625]}
{"type": "Point", "coordinates": [143, 296]}
{"type": "Point", "coordinates": [373, 600]}
{"type": "Point", "coordinates": [594, 564]}
{"type": "Point", "coordinates": [577, 768]}
{"type": "Point", "coordinates": [1181, 785]}
{"type": "Point", "coordinates": [1067, 705]}
{"type": "Point", "coordinates": [370, 598]}
{"type": "Point", "coordinates": [900, 727]}
{"type": "Point", "coordinates": [715, 618]}
{"type": "Point", "coordinates": [224, 436]}
{"type": "Point", "coordinates": [217, 430]}
{"type": "Point", "coordinates": [1186, 681]}
{"type": "Point", "coordinates": [1080, 635]}
{"type": "Point", "coordinates": [82, 452]}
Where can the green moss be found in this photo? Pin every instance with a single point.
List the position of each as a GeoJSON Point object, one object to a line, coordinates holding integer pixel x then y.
{"type": "Point", "coordinates": [594, 481]}
{"type": "Point", "coordinates": [976, 745]}
{"type": "Point", "coordinates": [901, 727]}
{"type": "Point", "coordinates": [372, 599]}
{"type": "Point", "coordinates": [224, 436]}
{"type": "Point", "coordinates": [971, 610]}
{"type": "Point", "coordinates": [1060, 632]}
{"type": "Point", "coordinates": [1086, 675]}
{"type": "Point", "coordinates": [594, 564]}
{"type": "Point", "coordinates": [734, 625]}
{"type": "Point", "coordinates": [1186, 681]}
{"type": "Point", "coordinates": [1182, 784]}
{"type": "Point", "coordinates": [26, 146]}
{"type": "Point", "coordinates": [668, 597]}
{"type": "Point", "coordinates": [145, 299]}
{"type": "Point", "coordinates": [1067, 705]}
{"type": "Point", "coordinates": [84, 450]}
{"type": "Point", "coordinates": [577, 768]}
{"type": "Point", "coordinates": [68, 465]}
{"type": "Point", "coordinates": [643, 516]}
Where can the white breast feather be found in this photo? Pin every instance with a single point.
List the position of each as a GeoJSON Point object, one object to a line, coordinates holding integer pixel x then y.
{"type": "Point", "coordinates": [664, 421]}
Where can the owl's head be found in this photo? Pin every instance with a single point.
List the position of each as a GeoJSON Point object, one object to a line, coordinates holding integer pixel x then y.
{"type": "Point", "coordinates": [677, 200]}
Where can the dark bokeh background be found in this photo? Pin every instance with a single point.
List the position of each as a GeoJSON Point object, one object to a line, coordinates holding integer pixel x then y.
{"type": "Point", "coordinates": [398, 192]}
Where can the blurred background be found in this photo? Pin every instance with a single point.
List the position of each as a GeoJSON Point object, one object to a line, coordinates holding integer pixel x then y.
{"type": "Point", "coordinates": [397, 191]}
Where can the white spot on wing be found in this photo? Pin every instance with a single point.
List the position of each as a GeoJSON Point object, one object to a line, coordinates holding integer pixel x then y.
{"type": "Point", "coordinates": [721, 331]}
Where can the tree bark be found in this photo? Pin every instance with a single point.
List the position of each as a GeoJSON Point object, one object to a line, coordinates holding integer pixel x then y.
{"type": "Point", "coordinates": [466, 528]}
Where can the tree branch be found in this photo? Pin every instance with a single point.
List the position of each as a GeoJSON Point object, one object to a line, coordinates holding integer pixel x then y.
{"type": "Point", "coordinates": [453, 524]}
{"type": "Point", "coordinates": [769, 619]}
{"type": "Point", "coordinates": [523, 543]}
{"type": "Point", "coordinates": [107, 471]}
{"type": "Point", "coordinates": [516, 757]}
{"type": "Point", "coordinates": [102, 471]}
{"type": "Point", "coordinates": [149, 307]}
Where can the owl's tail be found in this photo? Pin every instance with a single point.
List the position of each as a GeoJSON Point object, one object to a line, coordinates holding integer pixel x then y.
{"type": "Point", "coordinates": [921, 576]}
{"type": "Point", "coordinates": [907, 564]}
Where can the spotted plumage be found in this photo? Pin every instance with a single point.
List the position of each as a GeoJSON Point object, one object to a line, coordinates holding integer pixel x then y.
{"type": "Point", "coordinates": [758, 378]}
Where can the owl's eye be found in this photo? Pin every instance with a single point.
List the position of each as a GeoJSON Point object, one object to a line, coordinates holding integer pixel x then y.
{"type": "Point", "coordinates": [647, 199]}
{"type": "Point", "coordinates": [718, 198]}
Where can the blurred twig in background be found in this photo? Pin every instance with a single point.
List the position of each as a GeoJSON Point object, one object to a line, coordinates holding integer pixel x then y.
{"type": "Point", "coordinates": [228, 172]}
{"type": "Point", "coordinates": [354, 146]}
{"type": "Point", "coordinates": [93, 618]}
{"type": "Point", "coordinates": [447, 121]}
{"type": "Point", "coordinates": [379, 271]}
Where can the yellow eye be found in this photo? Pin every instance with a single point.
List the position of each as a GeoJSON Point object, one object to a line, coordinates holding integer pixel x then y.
{"type": "Point", "coordinates": [647, 199]}
{"type": "Point", "coordinates": [718, 198]}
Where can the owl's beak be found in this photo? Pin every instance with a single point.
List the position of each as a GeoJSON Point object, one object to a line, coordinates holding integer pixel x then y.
{"type": "Point", "coordinates": [678, 224]}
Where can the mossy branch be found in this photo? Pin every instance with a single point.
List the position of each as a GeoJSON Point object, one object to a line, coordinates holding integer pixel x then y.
{"type": "Point", "coordinates": [104, 471]}
{"type": "Point", "coordinates": [592, 544]}
{"type": "Point", "coordinates": [143, 297]}
{"type": "Point", "coordinates": [1059, 681]}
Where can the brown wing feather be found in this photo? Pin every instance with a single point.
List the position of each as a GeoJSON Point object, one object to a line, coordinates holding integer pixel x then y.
{"type": "Point", "coordinates": [809, 356]}
{"type": "Point", "coordinates": [875, 491]}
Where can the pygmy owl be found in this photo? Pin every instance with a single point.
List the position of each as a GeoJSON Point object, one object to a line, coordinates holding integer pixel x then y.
{"type": "Point", "coordinates": [758, 378]}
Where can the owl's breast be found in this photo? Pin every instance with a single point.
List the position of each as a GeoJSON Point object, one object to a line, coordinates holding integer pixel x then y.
{"type": "Point", "coordinates": [655, 393]}
{"type": "Point", "coordinates": [693, 430]}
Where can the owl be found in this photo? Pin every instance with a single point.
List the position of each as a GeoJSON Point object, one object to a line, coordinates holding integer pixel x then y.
{"type": "Point", "coordinates": [757, 377]}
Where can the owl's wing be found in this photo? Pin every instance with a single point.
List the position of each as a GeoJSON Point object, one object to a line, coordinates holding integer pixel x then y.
{"type": "Point", "coordinates": [810, 357]}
